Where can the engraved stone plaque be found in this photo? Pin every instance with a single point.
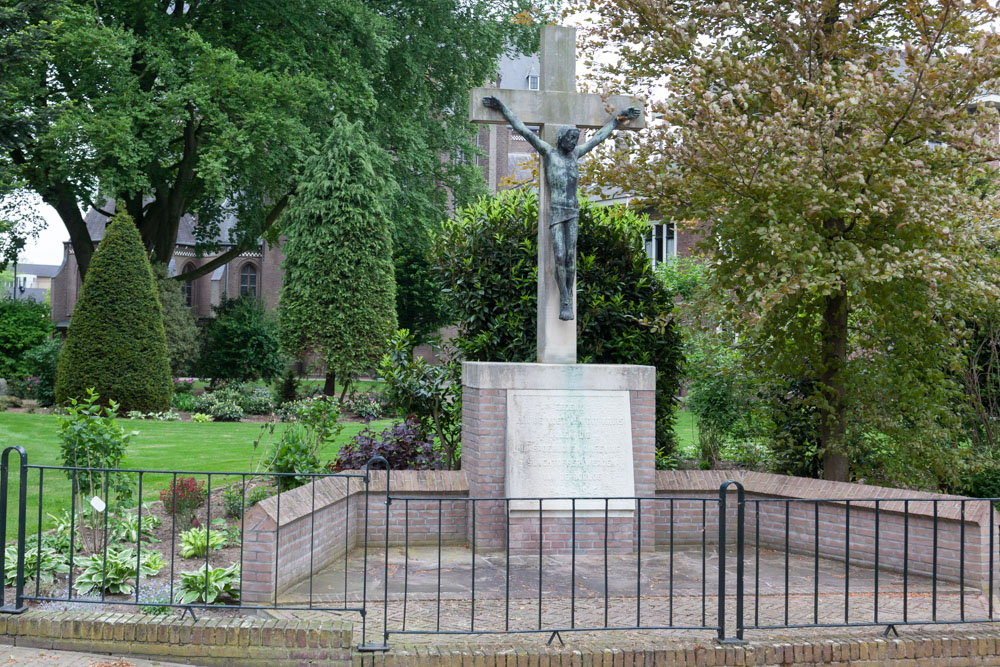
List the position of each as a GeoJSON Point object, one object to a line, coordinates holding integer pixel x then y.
{"type": "Point", "coordinates": [569, 443]}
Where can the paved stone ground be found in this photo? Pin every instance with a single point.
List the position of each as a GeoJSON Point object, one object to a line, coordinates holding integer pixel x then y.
{"type": "Point", "coordinates": [678, 592]}
{"type": "Point", "coordinates": [32, 657]}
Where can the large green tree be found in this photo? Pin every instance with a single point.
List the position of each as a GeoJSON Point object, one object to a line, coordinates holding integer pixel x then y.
{"type": "Point", "coordinates": [211, 108]}
{"type": "Point", "coordinates": [840, 153]}
{"type": "Point", "coordinates": [115, 344]}
{"type": "Point", "coordinates": [338, 296]}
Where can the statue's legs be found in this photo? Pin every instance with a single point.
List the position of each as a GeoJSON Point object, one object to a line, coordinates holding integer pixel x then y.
{"type": "Point", "coordinates": [560, 249]}
{"type": "Point", "coordinates": [572, 229]}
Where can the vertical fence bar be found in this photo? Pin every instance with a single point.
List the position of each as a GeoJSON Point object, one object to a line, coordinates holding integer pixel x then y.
{"type": "Point", "coordinates": [740, 557]}
{"type": "Point", "coordinates": [277, 539]}
{"type": "Point", "coordinates": [847, 561]}
{"type": "Point", "coordinates": [961, 566]}
{"type": "Point", "coordinates": [104, 565]}
{"type": "Point", "coordinates": [906, 558]}
{"type": "Point", "coordinates": [406, 555]}
{"type": "Point", "coordinates": [22, 498]}
{"type": "Point", "coordinates": [934, 563]}
{"type": "Point", "coordinates": [992, 530]}
{"type": "Point", "coordinates": [607, 528]}
{"type": "Point", "coordinates": [384, 646]}
{"type": "Point", "coordinates": [638, 566]}
{"type": "Point", "coordinates": [312, 539]}
{"type": "Point", "coordinates": [385, 597]}
{"type": "Point", "coordinates": [440, 506]}
{"type": "Point", "coordinates": [243, 523]}
{"type": "Point", "coordinates": [72, 536]}
{"type": "Point", "coordinates": [875, 592]}
{"type": "Point", "coordinates": [472, 611]}
{"type": "Point", "coordinates": [38, 547]}
{"type": "Point", "coordinates": [671, 561]}
{"type": "Point", "coordinates": [347, 535]}
{"type": "Point", "coordinates": [138, 543]}
{"type": "Point", "coordinates": [704, 570]}
{"type": "Point", "coordinates": [816, 563]}
{"type": "Point", "coordinates": [722, 562]}
{"type": "Point", "coordinates": [788, 530]}
{"type": "Point", "coordinates": [539, 563]}
{"type": "Point", "coordinates": [572, 565]}
{"type": "Point", "coordinates": [506, 578]}
{"type": "Point", "coordinates": [756, 564]}
{"type": "Point", "coordinates": [173, 531]}
{"type": "Point", "coordinates": [3, 522]}
{"type": "Point", "coordinates": [740, 518]}
{"type": "Point", "coordinates": [208, 542]}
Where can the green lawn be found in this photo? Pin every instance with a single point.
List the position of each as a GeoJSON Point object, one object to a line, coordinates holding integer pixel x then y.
{"type": "Point", "coordinates": [686, 430]}
{"type": "Point", "coordinates": [190, 446]}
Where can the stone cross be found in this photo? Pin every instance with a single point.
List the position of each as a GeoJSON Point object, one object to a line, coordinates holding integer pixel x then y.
{"type": "Point", "coordinates": [556, 103]}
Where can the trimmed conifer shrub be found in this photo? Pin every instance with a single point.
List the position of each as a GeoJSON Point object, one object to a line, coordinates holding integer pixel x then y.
{"type": "Point", "coordinates": [116, 343]}
{"type": "Point", "coordinates": [338, 297]}
{"type": "Point", "coordinates": [183, 345]}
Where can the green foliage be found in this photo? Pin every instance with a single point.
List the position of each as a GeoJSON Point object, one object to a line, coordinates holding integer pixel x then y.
{"type": "Point", "coordinates": [431, 392]}
{"type": "Point", "coordinates": [184, 402]}
{"type": "Point", "coordinates": [338, 295]}
{"type": "Point", "coordinates": [45, 563]}
{"type": "Point", "coordinates": [183, 345]}
{"type": "Point", "coordinates": [125, 527]}
{"type": "Point", "coordinates": [235, 503]}
{"type": "Point", "coordinates": [487, 257]}
{"type": "Point", "coordinates": [116, 575]}
{"type": "Point", "coordinates": [201, 417]}
{"type": "Point", "coordinates": [846, 184]}
{"type": "Point", "coordinates": [286, 389]}
{"type": "Point", "coordinates": [115, 343]}
{"type": "Point", "coordinates": [313, 422]}
{"type": "Point", "coordinates": [186, 104]}
{"type": "Point", "coordinates": [24, 324]}
{"type": "Point", "coordinates": [233, 402]}
{"type": "Point", "coordinates": [41, 363]}
{"type": "Point", "coordinates": [241, 343]}
{"type": "Point", "coordinates": [197, 541]}
{"type": "Point", "coordinates": [59, 538]}
{"type": "Point", "coordinates": [209, 585]}
{"type": "Point", "coordinates": [91, 438]}
{"type": "Point", "coordinates": [420, 304]}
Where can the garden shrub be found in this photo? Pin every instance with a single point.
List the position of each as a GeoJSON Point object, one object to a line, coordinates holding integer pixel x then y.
{"type": "Point", "coordinates": [313, 423]}
{"type": "Point", "coordinates": [431, 392]}
{"type": "Point", "coordinates": [183, 336]}
{"type": "Point", "coordinates": [403, 446]}
{"type": "Point", "coordinates": [228, 401]}
{"type": "Point", "coordinates": [183, 386]}
{"type": "Point", "coordinates": [235, 503]}
{"type": "Point", "coordinates": [182, 498]}
{"type": "Point", "coordinates": [91, 438]}
{"type": "Point", "coordinates": [116, 574]}
{"type": "Point", "coordinates": [369, 405]}
{"type": "Point", "coordinates": [184, 402]}
{"type": "Point", "coordinates": [41, 363]}
{"type": "Point", "coordinates": [196, 542]}
{"type": "Point", "coordinates": [116, 343]}
{"type": "Point", "coordinates": [24, 324]}
{"type": "Point", "coordinates": [45, 563]}
{"type": "Point", "coordinates": [241, 343]}
{"type": "Point", "coordinates": [286, 389]}
{"type": "Point", "coordinates": [487, 258]}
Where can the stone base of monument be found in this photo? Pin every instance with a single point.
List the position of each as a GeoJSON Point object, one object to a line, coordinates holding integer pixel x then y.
{"type": "Point", "coordinates": [557, 454]}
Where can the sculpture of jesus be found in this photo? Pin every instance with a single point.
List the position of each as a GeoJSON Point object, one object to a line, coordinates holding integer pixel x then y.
{"type": "Point", "coordinates": [562, 170]}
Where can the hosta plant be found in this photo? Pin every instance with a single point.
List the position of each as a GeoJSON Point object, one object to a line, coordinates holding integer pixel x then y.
{"type": "Point", "coordinates": [209, 584]}
{"type": "Point", "coordinates": [52, 563]}
{"type": "Point", "coordinates": [59, 538]}
{"type": "Point", "coordinates": [197, 541]}
{"type": "Point", "coordinates": [126, 528]}
{"type": "Point", "coordinates": [117, 574]}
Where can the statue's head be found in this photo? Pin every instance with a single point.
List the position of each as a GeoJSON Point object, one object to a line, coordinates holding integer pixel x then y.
{"type": "Point", "coordinates": [567, 138]}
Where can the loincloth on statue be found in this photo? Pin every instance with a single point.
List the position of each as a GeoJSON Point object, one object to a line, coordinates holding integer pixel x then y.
{"type": "Point", "coordinates": [563, 214]}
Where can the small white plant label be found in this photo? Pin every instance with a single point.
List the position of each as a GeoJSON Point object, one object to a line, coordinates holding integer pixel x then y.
{"type": "Point", "coordinates": [97, 504]}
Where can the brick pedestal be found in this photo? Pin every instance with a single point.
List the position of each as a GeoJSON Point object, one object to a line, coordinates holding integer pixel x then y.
{"type": "Point", "coordinates": [485, 400]}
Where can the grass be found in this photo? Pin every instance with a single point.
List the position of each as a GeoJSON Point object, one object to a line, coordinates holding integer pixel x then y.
{"type": "Point", "coordinates": [686, 431]}
{"type": "Point", "coordinates": [190, 446]}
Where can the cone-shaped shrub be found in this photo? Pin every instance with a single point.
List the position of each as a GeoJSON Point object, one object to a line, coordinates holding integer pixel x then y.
{"type": "Point", "coordinates": [115, 341]}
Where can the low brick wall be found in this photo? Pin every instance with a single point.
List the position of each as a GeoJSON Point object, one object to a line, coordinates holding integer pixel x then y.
{"type": "Point", "coordinates": [906, 527]}
{"type": "Point", "coordinates": [306, 529]}
{"type": "Point", "coordinates": [207, 641]}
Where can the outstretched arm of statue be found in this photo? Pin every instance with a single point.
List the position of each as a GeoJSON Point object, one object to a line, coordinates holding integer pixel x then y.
{"type": "Point", "coordinates": [616, 122]}
{"type": "Point", "coordinates": [515, 122]}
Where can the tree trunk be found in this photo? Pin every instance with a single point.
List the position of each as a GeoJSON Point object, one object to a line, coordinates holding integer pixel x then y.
{"type": "Point", "coordinates": [330, 385]}
{"type": "Point", "coordinates": [833, 427]}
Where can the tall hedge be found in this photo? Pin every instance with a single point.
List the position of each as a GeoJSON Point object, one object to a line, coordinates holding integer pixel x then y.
{"type": "Point", "coordinates": [338, 297]}
{"type": "Point", "coordinates": [183, 337]}
{"type": "Point", "coordinates": [116, 343]}
{"type": "Point", "coordinates": [487, 257]}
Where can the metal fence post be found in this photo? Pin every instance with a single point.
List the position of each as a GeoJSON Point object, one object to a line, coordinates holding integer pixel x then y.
{"type": "Point", "coordinates": [384, 646]}
{"type": "Point", "coordinates": [22, 500]}
{"type": "Point", "coordinates": [740, 501]}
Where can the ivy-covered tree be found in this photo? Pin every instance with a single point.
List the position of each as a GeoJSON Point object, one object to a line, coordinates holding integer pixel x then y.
{"type": "Point", "coordinates": [487, 258]}
{"type": "Point", "coordinates": [841, 152]}
{"type": "Point", "coordinates": [115, 344]}
{"type": "Point", "coordinates": [212, 108]}
{"type": "Point", "coordinates": [338, 295]}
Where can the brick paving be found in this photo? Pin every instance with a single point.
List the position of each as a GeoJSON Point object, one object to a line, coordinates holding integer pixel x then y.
{"type": "Point", "coordinates": [679, 591]}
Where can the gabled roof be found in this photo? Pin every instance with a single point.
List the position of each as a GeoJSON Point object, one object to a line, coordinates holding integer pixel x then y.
{"type": "Point", "coordinates": [97, 221]}
{"type": "Point", "coordinates": [40, 270]}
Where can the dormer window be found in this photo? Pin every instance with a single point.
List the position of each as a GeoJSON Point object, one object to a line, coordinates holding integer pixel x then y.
{"type": "Point", "coordinates": [532, 82]}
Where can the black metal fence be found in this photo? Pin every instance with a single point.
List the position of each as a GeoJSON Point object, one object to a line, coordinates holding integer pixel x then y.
{"type": "Point", "coordinates": [724, 564]}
